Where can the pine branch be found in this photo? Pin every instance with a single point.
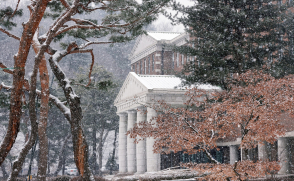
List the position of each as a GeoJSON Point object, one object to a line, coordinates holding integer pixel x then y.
{"type": "Point", "coordinates": [9, 34]}
{"type": "Point", "coordinates": [65, 4]}
{"type": "Point", "coordinates": [15, 9]}
{"type": "Point", "coordinates": [5, 69]}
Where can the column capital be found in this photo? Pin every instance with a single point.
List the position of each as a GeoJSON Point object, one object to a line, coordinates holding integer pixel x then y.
{"type": "Point", "coordinates": [141, 108]}
{"type": "Point", "coordinates": [131, 111]}
{"type": "Point", "coordinates": [122, 114]}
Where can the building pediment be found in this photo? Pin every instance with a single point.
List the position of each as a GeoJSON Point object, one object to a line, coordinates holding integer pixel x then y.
{"type": "Point", "coordinates": [131, 88]}
{"type": "Point", "coordinates": [153, 41]}
{"type": "Point", "coordinates": [143, 43]}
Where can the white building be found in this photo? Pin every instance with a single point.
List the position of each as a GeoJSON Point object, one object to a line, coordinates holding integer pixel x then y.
{"type": "Point", "coordinates": [147, 84]}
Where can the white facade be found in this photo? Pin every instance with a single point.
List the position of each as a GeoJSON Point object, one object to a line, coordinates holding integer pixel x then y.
{"type": "Point", "coordinates": [136, 91]}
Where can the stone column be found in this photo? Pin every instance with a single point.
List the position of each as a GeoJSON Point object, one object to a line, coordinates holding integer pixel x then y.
{"type": "Point", "coordinates": [233, 154]}
{"type": "Point", "coordinates": [131, 146]}
{"type": "Point", "coordinates": [122, 143]}
{"type": "Point", "coordinates": [153, 159]}
{"type": "Point", "coordinates": [141, 146]}
{"type": "Point", "coordinates": [283, 154]}
{"type": "Point", "coordinates": [262, 153]}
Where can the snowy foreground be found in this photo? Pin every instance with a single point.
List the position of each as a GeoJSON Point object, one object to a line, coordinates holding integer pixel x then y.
{"type": "Point", "coordinates": [163, 175]}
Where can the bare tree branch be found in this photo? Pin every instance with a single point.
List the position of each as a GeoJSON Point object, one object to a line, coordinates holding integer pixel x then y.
{"type": "Point", "coordinates": [65, 4]}
{"type": "Point", "coordinates": [9, 34]}
{"type": "Point", "coordinates": [15, 9]}
{"type": "Point", "coordinates": [5, 69]}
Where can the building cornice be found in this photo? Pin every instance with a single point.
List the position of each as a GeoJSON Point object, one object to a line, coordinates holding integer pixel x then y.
{"type": "Point", "coordinates": [178, 41]}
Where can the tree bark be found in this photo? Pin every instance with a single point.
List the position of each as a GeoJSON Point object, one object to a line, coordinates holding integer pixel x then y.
{"type": "Point", "coordinates": [94, 146]}
{"type": "Point", "coordinates": [79, 142]}
{"type": "Point", "coordinates": [113, 152]}
{"type": "Point", "coordinates": [44, 109]}
{"type": "Point", "coordinates": [61, 155]}
{"type": "Point", "coordinates": [17, 165]}
{"type": "Point", "coordinates": [20, 58]}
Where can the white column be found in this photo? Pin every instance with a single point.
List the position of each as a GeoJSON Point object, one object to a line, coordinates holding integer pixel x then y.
{"type": "Point", "coordinates": [141, 146]}
{"type": "Point", "coordinates": [122, 142]}
{"type": "Point", "coordinates": [233, 154]}
{"type": "Point", "coordinates": [262, 154]}
{"type": "Point", "coordinates": [131, 145]}
{"type": "Point", "coordinates": [283, 154]}
{"type": "Point", "coordinates": [153, 159]}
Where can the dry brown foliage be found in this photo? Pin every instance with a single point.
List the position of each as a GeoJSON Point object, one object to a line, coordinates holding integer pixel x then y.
{"type": "Point", "coordinates": [248, 110]}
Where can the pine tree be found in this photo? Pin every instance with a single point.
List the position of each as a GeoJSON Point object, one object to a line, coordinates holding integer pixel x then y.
{"type": "Point", "coordinates": [119, 21]}
{"type": "Point", "coordinates": [231, 36]}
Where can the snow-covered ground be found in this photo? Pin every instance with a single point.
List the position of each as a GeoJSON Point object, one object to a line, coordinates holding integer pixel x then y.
{"type": "Point", "coordinates": [178, 174]}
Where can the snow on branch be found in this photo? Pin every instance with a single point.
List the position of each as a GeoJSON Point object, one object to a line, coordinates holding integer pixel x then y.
{"type": "Point", "coordinates": [71, 49]}
{"type": "Point", "coordinates": [65, 4]}
{"type": "Point", "coordinates": [60, 75]}
{"type": "Point", "coordinates": [60, 105]}
{"type": "Point", "coordinates": [9, 34]}
{"type": "Point", "coordinates": [2, 85]}
{"type": "Point", "coordinates": [5, 69]}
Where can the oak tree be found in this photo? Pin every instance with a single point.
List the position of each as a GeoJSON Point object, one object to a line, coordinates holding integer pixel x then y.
{"type": "Point", "coordinates": [249, 111]}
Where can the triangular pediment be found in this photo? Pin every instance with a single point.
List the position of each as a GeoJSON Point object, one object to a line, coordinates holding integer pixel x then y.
{"type": "Point", "coordinates": [142, 43]}
{"type": "Point", "coordinates": [131, 88]}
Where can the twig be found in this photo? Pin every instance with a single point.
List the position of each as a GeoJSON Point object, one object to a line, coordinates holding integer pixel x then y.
{"type": "Point", "coordinates": [15, 10]}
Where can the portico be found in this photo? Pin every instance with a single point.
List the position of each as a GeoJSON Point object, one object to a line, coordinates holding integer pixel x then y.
{"type": "Point", "coordinates": [139, 90]}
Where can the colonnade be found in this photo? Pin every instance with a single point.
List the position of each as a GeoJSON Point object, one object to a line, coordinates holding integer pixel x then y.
{"type": "Point", "coordinates": [136, 158]}
{"type": "Point", "coordinates": [139, 158]}
{"type": "Point", "coordinates": [282, 153]}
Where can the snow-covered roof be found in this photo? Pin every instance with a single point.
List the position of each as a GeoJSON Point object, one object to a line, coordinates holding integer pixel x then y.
{"type": "Point", "coordinates": [136, 84]}
{"type": "Point", "coordinates": [159, 81]}
{"type": "Point", "coordinates": [169, 82]}
{"type": "Point", "coordinates": [163, 35]}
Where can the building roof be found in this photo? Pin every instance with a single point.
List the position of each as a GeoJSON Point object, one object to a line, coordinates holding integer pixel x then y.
{"type": "Point", "coordinates": [159, 81]}
{"type": "Point", "coordinates": [163, 35]}
{"type": "Point", "coordinates": [153, 41]}
{"type": "Point", "coordinates": [135, 85]}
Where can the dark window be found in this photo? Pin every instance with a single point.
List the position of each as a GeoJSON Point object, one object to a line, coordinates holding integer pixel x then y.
{"type": "Point", "coordinates": [153, 62]}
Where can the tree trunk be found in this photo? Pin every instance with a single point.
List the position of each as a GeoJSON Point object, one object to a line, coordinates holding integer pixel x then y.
{"type": "Point", "coordinates": [113, 152]}
{"type": "Point", "coordinates": [94, 146]}
{"type": "Point", "coordinates": [79, 142]}
{"type": "Point", "coordinates": [100, 150]}
{"type": "Point", "coordinates": [48, 161]}
{"type": "Point", "coordinates": [4, 173]}
{"type": "Point", "coordinates": [61, 155]}
{"type": "Point", "coordinates": [44, 109]}
{"type": "Point", "coordinates": [100, 147]}
{"type": "Point", "coordinates": [29, 29]}
{"type": "Point", "coordinates": [17, 165]}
